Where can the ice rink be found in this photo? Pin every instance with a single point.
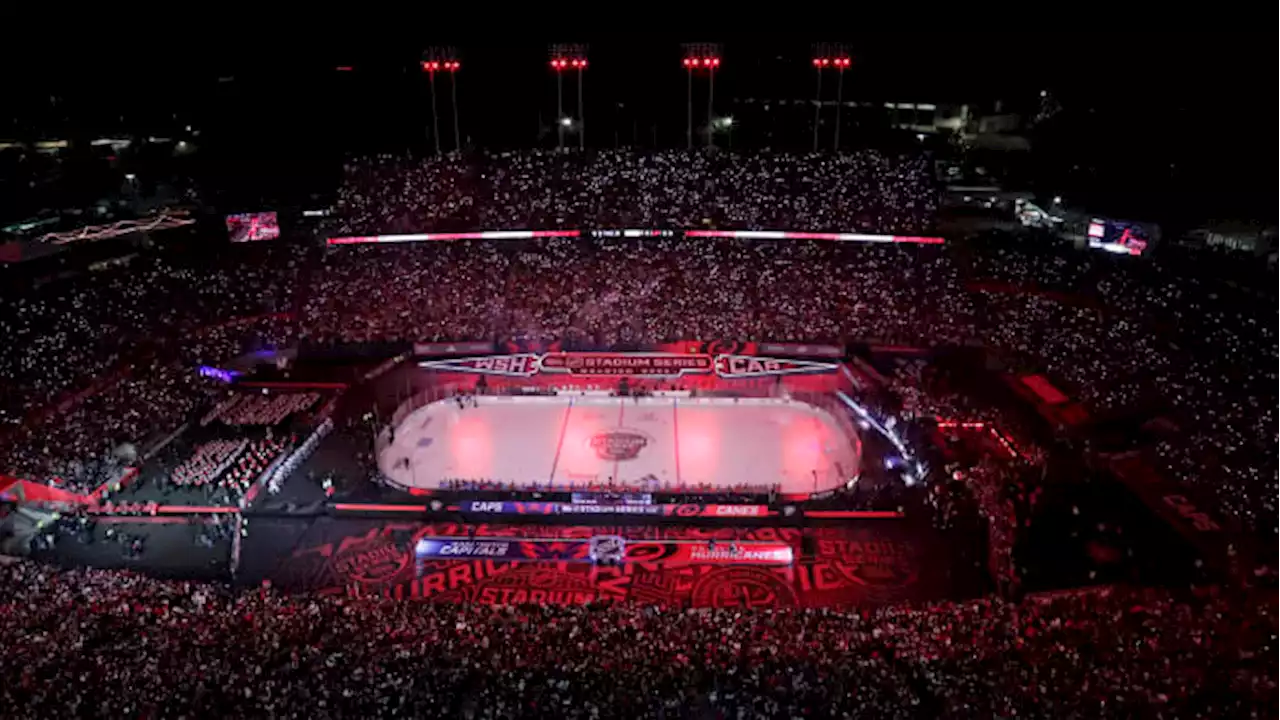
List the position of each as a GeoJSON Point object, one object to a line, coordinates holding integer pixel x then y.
{"type": "Point", "coordinates": [653, 442]}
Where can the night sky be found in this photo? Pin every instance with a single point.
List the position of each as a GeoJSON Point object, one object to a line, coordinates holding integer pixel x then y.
{"type": "Point", "coordinates": [1179, 124]}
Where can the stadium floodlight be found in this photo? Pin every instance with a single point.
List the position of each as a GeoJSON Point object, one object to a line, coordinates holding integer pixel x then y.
{"type": "Point", "coordinates": [566, 122]}
{"type": "Point", "coordinates": [443, 59]}
{"type": "Point", "coordinates": [572, 57]}
{"type": "Point", "coordinates": [834, 56]}
{"type": "Point", "coordinates": [704, 56]}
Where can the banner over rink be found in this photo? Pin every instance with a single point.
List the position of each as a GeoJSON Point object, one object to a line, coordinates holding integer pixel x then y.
{"type": "Point", "coordinates": [628, 364]}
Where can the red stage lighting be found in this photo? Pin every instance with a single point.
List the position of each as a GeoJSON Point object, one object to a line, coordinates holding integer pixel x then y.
{"type": "Point", "coordinates": [715, 62]}
{"type": "Point", "coordinates": [817, 62]}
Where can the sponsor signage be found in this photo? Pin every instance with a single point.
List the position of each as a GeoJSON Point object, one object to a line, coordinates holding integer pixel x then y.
{"type": "Point", "coordinates": [605, 498]}
{"type": "Point", "coordinates": [555, 508]}
{"type": "Point", "coordinates": [761, 554]}
{"type": "Point", "coordinates": [744, 366]}
{"type": "Point", "coordinates": [482, 507]}
{"type": "Point", "coordinates": [456, 548]}
{"type": "Point", "coordinates": [654, 365]}
{"type": "Point", "coordinates": [607, 548]}
{"type": "Point", "coordinates": [736, 510]}
{"type": "Point", "coordinates": [520, 365]}
{"type": "Point", "coordinates": [650, 364]}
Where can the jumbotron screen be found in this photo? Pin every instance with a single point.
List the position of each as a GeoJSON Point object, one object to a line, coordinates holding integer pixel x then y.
{"type": "Point", "coordinates": [250, 227]}
{"type": "Point", "coordinates": [1121, 236]}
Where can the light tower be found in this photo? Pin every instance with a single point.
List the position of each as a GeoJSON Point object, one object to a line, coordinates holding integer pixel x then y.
{"type": "Point", "coordinates": [829, 56]}
{"type": "Point", "coordinates": [701, 57]}
{"type": "Point", "coordinates": [443, 59]}
{"type": "Point", "coordinates": [568, 57]}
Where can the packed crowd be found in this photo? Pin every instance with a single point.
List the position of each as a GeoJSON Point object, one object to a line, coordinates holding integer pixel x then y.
{"type": "Point", "coordinates": [1188, 352]}
{"type": "Point", "coordinates": [112, 353]}
{"type": "Point", "coordinates": [244, 409]}
{"type": "Point", "coordinates": [257, 458]}
{"type": "Point", "coordinates": [626, 292]}
{"type": "Point", "coordinates": [996, 493]}
{"type": "Point", "coordinates": [226, 468]}
{"type": "Point", "coordinates": [208, 462]}
{"type": "Point", "coordinates": [98, 365]}
{"type": "Point", "coordinates": [863, 191]}
{"type": "Point", "coordinates": [109, 644]}
{"type": "Point", "coordinates": [104, 361]}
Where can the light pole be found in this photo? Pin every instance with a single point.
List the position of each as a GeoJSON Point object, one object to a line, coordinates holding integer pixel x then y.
{"type": "Point", "coordinates": [453, 66]}
{"type": "Point", "coordinates": [565, 57]}
{"type": "Point", "coordinates": [434, 60]}
{"type": "Point", "coordinates": [818, 63]}
{"type": "Point", "coordinates": [431, 67]}
{"type": "Point", "coordinates": [829, 56]}
{"type": "Point", "coordinates": [580, 64]}
{"type": "Point", "coordinates": [705, 56]}
{"type": "Point", "coordinates": [711, 99]}
{"type": "Point", "coordinates": [688, 130]}
{"type": "Point", "coordinates": [842, 64]}
{"type": "Point", "coordinates": [560, 124]}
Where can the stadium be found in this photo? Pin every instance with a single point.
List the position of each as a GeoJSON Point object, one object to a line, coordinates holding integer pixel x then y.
{"type": "Point", "coordinates": [636, 432]}
{"type": "Point", "coordinates": [685, 474]}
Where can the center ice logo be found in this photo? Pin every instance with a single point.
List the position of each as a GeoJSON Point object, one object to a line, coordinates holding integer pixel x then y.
{"type": "Point", "coordinates": [619, 444]}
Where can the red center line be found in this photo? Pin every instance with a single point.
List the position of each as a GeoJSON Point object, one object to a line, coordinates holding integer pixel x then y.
{"type": "Point", "coordinates": [820, 454]}
{"type": "Point", "coordinates": [675, 429]}
{"type": "Point", "coordinates": [564, 427]}
{"type": "Point", "coordinates": [622, 407]}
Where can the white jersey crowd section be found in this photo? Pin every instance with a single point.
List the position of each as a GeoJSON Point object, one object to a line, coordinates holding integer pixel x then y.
{"type": "Point", "coordinates": [648, 442]}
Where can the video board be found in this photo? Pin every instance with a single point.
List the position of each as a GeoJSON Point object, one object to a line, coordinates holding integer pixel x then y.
{"type": "Point", "coordinates": [1123, 237]}
{"type": "Point", "coordinates": [252, 227]}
